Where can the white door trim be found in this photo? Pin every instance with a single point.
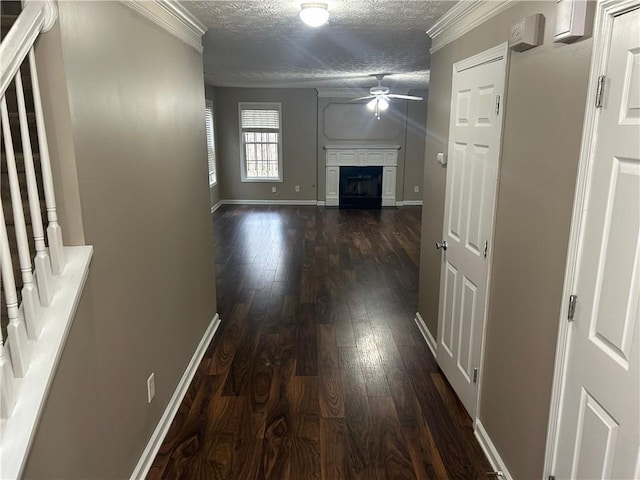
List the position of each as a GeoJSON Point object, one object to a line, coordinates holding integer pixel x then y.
{"type": "Point", "coordinates": [606, 11]}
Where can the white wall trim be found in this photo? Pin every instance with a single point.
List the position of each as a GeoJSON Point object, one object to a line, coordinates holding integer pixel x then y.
{"type": "Point", "coordinates": [352, 92]}
{"type": "Point", "coordinates": [269, 202]}
{"type": "Point", "coordinates": [462, 18]}
{"type": "Point", "coordinates": [491, 451]}
{"type": "Point", "coordinates": [151, 450]}
{"type": "Point", "coordinates": [360, 146]}
{"type": "Point", "coordinates": [342, 92]}
{"type": "Point", "coordinates": [173, 17]}
{"type": "Point", "coordinates": [319, 203]}
{"type": "Point", "coordinates": [603, 26]}
{"type": "Point", "coordinates": [494, 54]}
{"type": "Point", "coordinates": [32, 390]}
{"type": "Point", "coordinates": [431, 342]}
{"type": "Point", "coordinates": [216, 206]}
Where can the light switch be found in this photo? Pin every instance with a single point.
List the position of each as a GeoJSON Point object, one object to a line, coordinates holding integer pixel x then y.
{"type": "Point", "coordinates": [442, 159]}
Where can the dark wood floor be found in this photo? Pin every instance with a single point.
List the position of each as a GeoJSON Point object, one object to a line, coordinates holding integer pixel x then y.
{"type": "Point", "coordinates": [318, 370]}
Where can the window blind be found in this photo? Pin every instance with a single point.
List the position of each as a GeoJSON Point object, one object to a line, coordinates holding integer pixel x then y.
{"type": "Point", "coordinates": [211, 147]}
{"type": "Point", "coordinates": [260, 119]}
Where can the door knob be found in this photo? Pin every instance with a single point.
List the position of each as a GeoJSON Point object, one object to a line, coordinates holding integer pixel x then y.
{"type": "Point", "coordinates": [442, 245]}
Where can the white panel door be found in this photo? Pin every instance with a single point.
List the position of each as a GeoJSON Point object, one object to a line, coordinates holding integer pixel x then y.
{"type": "Point", "coordinates": [599, 422]}
{"type": "Point", "coordinates": [475, 131]}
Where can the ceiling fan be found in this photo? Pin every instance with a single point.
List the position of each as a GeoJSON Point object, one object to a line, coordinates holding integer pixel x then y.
{"type": "Point", "coordinates": [380, 97]}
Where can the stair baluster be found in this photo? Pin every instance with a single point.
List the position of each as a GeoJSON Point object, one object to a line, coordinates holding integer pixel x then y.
{"type": "Point", "coordinates": [16, 331]}
{"type": "Point", "coordinates": [42, 262]}
{"type": "Point", "coordinates": [30, 300]}
{"type": "Point", "coordinates": [54, 233]}
{"type": "Point", "coordinates": [7, 387]}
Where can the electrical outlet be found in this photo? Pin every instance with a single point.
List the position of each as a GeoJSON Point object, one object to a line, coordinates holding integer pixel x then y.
{"type": "Point", "coordinates": [151, 387]}
{"type": "Point", "coordinates": [297, 188]}
{"type": "Point", "coordinates": [274, 189]}
{"type": "Point", "coordinates": [416, 189]}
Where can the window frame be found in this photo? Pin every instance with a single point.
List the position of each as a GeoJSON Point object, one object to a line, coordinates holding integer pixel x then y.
{"type": "Point", "coordinates": [243, 161]}
{"type": "Point", "coordinates": [211, 149]}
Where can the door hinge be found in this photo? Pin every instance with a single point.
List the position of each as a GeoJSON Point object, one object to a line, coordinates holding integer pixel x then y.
{"type": "Point", "coordinates": [573, 299]}
{"type": "Point", "coordinates": [475, 375]}
{"type": "Point", "coordinates": [486, 248]}
{"type": "Point", "coordinates": [497, 104]}
{"type": "Point", "coordinates": [552, 477]}
{"type": "Point", "coordinates": [600, 91]}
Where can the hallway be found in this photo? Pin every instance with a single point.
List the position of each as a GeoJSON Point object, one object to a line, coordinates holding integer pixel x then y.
{"type": "Point", "coordinates": [318, 370]}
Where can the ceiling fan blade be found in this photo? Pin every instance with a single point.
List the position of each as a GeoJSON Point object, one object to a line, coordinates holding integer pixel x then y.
{"type": "Point", "coordinates": [363, 98]}
{"type": "Point", "coordinates": [403, 97]}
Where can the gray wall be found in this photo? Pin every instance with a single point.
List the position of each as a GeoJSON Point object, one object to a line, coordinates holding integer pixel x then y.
{"type": "Point", "coordinates": [298, 144]}
{"type": "Point", "coordinates": [414, 146]}
{"type": "Point", "coordinates": [543, 122]}
{"type": "Point", "coordinates": [136, 111]}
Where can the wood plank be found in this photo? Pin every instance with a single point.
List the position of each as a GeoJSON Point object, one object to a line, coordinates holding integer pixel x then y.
{"type": "Point", "coordinates": [370, 362]}
{"type": "Point", "coordinates": [357, 416]}
{"type": "Point", "coordinates": [333, 448]}
{"type": "Point", "coordinates": [305, 442]}
{"type": "Point", "coordinates": [306, 342]}
{"type": "Point", "coordinates": [391, 456]}
{"type": "Point", "coordinates": [331, 396]}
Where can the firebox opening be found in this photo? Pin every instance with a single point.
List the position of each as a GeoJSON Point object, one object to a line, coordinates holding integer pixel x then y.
{"type": "Point", "coordinates": [360, 187]}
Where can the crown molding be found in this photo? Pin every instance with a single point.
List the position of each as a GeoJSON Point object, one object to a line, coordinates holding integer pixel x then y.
{"type": "Point", "coordinates": [172, 17]}
{"type": "Point", "coordinates": [463, 17]}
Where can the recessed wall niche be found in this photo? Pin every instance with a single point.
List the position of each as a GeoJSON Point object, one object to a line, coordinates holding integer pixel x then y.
{"type": "Point", "coordinates": [353, 121]}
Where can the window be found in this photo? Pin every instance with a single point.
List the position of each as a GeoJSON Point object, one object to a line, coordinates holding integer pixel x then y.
{"type": "Point", "coordinates": [260, 142]}
{"type": "Point", "coordinates": [211, 142]}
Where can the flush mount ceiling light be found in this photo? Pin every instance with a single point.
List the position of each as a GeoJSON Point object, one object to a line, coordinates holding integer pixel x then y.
{"type": "Point", "coordinates": [314, 14]}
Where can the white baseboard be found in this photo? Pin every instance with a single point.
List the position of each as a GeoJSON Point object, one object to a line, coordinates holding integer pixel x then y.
{"type": "Point", "coordinates": [431, 342]}
{"type": "Point", "coordinates": [490, 451]}
{"type": "Point", "coordinates": [151, 450]}
{"type": "Point", "coordinates": [216, 206]}
{"type": "Point", "coordinates": [321, 203]}
{"type": "Point", "coordinates": [406, 203]}
{"type": "Point", "coordinates": [269, 202]}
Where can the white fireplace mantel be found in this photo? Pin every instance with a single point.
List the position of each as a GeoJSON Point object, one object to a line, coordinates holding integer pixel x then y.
{"type": "Point", "coordinates": [385, 156]}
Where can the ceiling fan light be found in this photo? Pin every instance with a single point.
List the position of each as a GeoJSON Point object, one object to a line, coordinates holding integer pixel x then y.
{"type": "Point", "coordinates": [383, 104]}
{"type": "Point", "coordinates": [314, 14]}
{"type": "Point", "coordinates": [372, 104]}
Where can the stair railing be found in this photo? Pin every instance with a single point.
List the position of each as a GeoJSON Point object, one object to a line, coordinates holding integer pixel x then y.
{"type": "Point", "coordinates": [25, 327]}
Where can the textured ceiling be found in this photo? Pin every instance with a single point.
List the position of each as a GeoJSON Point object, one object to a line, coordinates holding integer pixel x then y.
{"type": "Point", "coordinates": [258, 43]}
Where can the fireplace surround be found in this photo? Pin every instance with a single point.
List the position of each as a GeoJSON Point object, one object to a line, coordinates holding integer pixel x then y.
{"type": "Point", "coordinates": [347, 156]}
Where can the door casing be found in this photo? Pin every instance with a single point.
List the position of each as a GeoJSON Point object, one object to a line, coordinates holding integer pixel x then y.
{"type": "Point", "coordinates": [606, 11]}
